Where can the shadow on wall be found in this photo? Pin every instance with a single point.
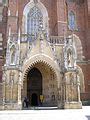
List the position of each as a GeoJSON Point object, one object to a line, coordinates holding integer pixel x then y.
{"type": "Point", "coordinates": [88, 117]}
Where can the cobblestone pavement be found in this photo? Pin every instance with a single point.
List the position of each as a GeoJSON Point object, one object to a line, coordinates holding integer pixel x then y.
{"type": "Point", "coordinates": [76, 114]}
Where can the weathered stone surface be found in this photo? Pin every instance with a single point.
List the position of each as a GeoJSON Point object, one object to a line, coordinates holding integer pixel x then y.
{"type": "Point", "coordinates": [60, 54]}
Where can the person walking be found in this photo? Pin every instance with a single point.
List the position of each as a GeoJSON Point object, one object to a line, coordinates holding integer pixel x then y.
{"type": "Point", "coordinates": [26, 102]}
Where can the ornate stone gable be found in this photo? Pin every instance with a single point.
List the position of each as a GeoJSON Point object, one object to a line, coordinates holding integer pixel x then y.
{"type": "Point", "coordinates": [54, 57]}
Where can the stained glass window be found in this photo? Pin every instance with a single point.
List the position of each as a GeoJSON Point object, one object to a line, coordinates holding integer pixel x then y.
{"type": "Point", "coordinates": [34, 22]}
{"type": "Point", "coordinates": [71, 21]}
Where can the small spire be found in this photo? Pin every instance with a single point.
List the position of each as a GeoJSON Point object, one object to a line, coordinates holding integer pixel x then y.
{"type": "Point", "coordinates": [35, 1]}
{"type": "Point", "coordinates": [19, 36]}
{"type": "Point", "coordinates": [64, 35]}
{"type": "Point", "coordinates": [9, 34]}
{"type": "Point", "coordinates": [72, 36]}
{"type": "Point", "coordinates": [17, 13]}
{"type": "Point", "coordinates": [9, 12]}
{"type": "Point", "coordinates": [18, 56]}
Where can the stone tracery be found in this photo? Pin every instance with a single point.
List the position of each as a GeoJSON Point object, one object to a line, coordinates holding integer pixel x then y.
{"type": "Point", "coordinates": [34, 22]}
{"type": "Point", "coordinates": [63, 88]}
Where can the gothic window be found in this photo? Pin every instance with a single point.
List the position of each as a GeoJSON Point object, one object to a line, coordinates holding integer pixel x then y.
{"type": "Point", "coordinates": [34, 22]}
{"type": "Point", "coordinates": [71, 21]}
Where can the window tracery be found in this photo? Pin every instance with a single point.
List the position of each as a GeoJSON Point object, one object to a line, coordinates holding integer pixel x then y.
{"type": "Point", "coordinates": [34, 22]}
{"type": "Point", "coordinates": [72, 20]}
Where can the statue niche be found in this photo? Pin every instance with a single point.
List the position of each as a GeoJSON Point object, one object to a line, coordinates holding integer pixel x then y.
{"type": "Point", "coordinates": [70, 60]}
{"type": "Point", "coordinates": [12, 55]}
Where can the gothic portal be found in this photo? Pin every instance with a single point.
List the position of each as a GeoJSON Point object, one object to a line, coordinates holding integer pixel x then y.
{"type": "Point", "coordinates": [41, 58]}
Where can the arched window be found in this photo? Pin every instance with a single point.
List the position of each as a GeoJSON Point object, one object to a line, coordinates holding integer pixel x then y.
{"type": "Point", "coordinates": [34, 22]}
{"type": "Point", "coordinates": [71, 21]}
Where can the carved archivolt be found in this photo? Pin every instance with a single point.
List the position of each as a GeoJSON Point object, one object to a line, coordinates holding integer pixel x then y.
{"type": "Point", "coordinates": [34, 63]}
{"type": "Point", "coordinates": [42, 60]}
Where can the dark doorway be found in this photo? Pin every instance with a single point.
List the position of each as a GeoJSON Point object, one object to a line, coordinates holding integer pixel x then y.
{"type": "Point", "coordinates": [34, 86]}
{"type": "Point", "coordinates": [34, 100]}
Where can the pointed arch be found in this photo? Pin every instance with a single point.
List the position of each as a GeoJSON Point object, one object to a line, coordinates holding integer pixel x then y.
{"type": "Point", "coordinates": [34, 22]}
{"type": "Point", "coordinates": [41, 59]}
{"type": "Point", "coordinates": [26, 11]}
{"type": "Point", "coordinates": [71, 20]}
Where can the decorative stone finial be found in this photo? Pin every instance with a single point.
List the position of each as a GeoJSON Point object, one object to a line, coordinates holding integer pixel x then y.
{"type": "Point", "coordinates": [9, 12]}
{"type": "Point", "coordinates": [35, 1]}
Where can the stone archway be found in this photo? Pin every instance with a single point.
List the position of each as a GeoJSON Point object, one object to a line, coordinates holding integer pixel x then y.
{"type": "Point", "coordinates": [49, 87]}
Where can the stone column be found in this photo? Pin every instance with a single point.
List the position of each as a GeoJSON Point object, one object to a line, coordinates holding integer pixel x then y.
{"type": "Point", "coordinates": [59, 98]}
{"type": "Point", "coordinates": [78, 88]}
{"type": "Point", "coordinates": [66, 94]}
{"type": "Point", "coordinates": [19, 92]}
{"type": "Point", "coordinates": [3, 87]}
{"type": "Point", "coordinates": [3, 93]}
{"type": "Point", "coordinates": [59, 93]}
{"type": "Point", "coordinates": [66, 90]}
{"type": "Point", "coordinates": [11, 86]}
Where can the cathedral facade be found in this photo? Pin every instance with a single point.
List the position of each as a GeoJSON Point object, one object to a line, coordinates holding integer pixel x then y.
{"type": "Point", "coordinates": [44, 54]}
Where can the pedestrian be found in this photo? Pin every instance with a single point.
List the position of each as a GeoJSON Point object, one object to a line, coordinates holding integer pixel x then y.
{"type": "Point", "coordinates": [25, 102]}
